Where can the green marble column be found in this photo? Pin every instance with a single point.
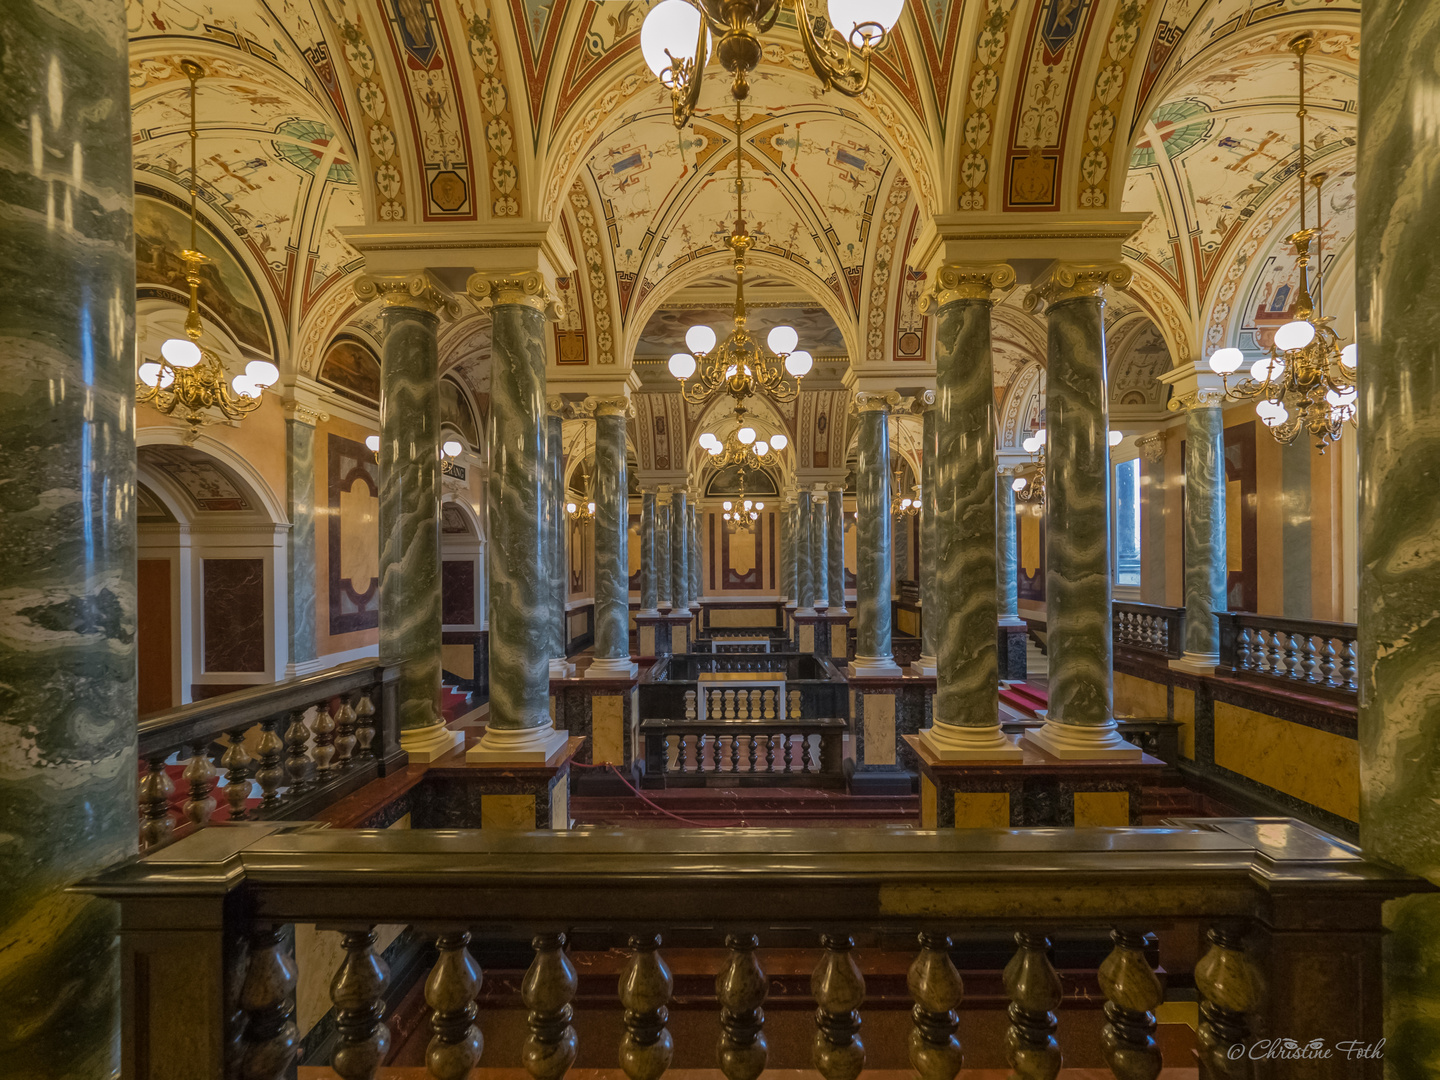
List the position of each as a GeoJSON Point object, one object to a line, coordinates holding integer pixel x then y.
{"type": "Point", "coordinates": [929, 541]}
{"type": "Point", "coordinates": [612, 544]}
{"type": "Point", "coordinates": [67, 521]}
{"type": "Point", "coordinates": [554, 526]}
{"type": "Point", "coordinates": [696, 584]}
{"type": "Point", "coordinates": [967, 692]}
{"type": "Point", "coordinates": [789, 587]}
{"type": "Point", "coordinates": [410, 502]}
{"type": "Point", "coordinates": [1081, 721]}
{"type": "Point", "coordinates": [835, 533]}
{"type": "Point", "coordinates": [1007, 545]}
{"type": "Point", "coordinates": [820, 545]}
{"type": "Point", "coordinates": [874, 586]}
{"type": "Point", "coordinates": [804, 571]}
{"type": "Point", "coordinates": [679, 554]}
{"type": "Point", "coordinates": [521, 588]}
{"type": "Point", "coordinates": [664, 579]}
{"type": "Point", "coordinates": [300, 543]}
{"type": "Point", "coordinates": [1205, 548]}
{"type": "Point", "coordinates": [1397, 278]}
{"type": "Point", "coordinates": [649, 585]}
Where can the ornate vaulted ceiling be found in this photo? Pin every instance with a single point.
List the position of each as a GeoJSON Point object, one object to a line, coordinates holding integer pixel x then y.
{"type": "Point", "coordinates": [322, 114]}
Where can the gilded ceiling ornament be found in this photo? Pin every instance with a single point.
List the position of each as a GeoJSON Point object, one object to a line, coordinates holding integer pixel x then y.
{"type": "Point", "coordinates": [418, 291]}
{"type": "Point", "coordinates": [966, 281]}
{"type": "Point", "coordinates": [1071, 281]}
{"type": "Point", "coordinates": [530, 290]}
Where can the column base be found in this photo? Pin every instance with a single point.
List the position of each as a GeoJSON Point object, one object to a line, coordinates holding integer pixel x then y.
{"type": "Point", "coordinates": [527, 745]}
{"type": "Point", "coordinates": [620, 668]}
{"type": "Point", "coordinates": [651, 613]}
{"type": "Point", "coordinates": [1073, 743]}
{"type": "Point", "coordinates": [1011, 620]}
{"type": "Point", "coordinates": [803, 613]}
{"type": "Point", "coordinates": [428, 744]}
{"type": "Point", "coordinates": [1194, 663]}
{"type": "Point", "coordinates": [561, 669]}
{"type": "Point", "coordinates": [874, 667]}
{"type": "Point", "coordinates": [926, 665]}
{"type": "Point", "coordinates": [948, 742]}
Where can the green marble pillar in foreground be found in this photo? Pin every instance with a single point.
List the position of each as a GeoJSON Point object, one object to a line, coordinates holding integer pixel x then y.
{"type": "Point", "coordinates": [553, 526]}
{"type": "Point", "coordinates": [789, 584]}
{"type": "Point", "coordinates": [649, 590]}
{"type": "Point", "coordinates": [820, 545]}
{"type": "Point", "coordinates": [679, 554]}
{"type": "Point", "coordinates": [410, 502]}
{"type": "Point", "coordinates": [804, 571]}
{"type": "Point", "coordinates": [612, 544]}
{"type": "Point", "coordinates": [874, 587]}
{"type": "Point", "coordinates": [1081, 721]}
{"type": "Point", "coordinates": [521, 590]}
{"type": "Point", "coordinates": [663, 577]}
{"type": "Point", "coordinates": [697, 585]}
{"type": "Point", "coordinates": [967, 701]}
{"type": "Point", "coordinates": [300, 543]}
{"type": "Point", "coordinates": [1398, 279]}
{"type": "Point", "coordinates": [1205, 567]}
{"type": "Point", "coordinates": [67, 521]}
{"type": "Point", "coordinates": [929, 539]}
{"type": "Point", "coordinates": [1007, 546]}
{"type": "Point", "coordinates": [835, 556]}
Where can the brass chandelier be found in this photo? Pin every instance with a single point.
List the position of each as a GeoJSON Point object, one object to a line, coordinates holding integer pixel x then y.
{"type": "Point", "coordinates": [904, 506]}
{"type": "Point", "coordinates": [189, 381]}
{"type": "Point", "coordinates": [742, 513]}
{"type": "Point", "coordinates": [743, 446]}
{"type": "Point", "coordinates": [1308, 380]}
{"type": "Point", "coordinates": [678, 37]}
{"type": "Point", "coordinates": [1031, 488]}
{"type": "Point", "coordinates": [740, 366]}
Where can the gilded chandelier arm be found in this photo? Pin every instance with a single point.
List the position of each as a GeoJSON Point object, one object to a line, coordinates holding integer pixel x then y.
{"type": "Point", "coordinates": [684, 81]}
{"type": "Point", "coordinates": [835, 68]}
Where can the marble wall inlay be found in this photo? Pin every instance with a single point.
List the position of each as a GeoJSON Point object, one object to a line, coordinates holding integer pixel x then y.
{"type": "Point", "coordinates": [354, 537]}
{"type": "Point", "coordinates": [234, 615]}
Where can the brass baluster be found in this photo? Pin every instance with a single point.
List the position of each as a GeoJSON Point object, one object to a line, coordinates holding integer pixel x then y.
{"type": "Point", "coordinates": [839, 989]}
{"type": "Point", "coordinates": [547, 989]}
{"type": "Point", "coordinates": [270, 775]}
{"type": "Point", "coordinates": [200, 772]}
{"type": "Point", "coordinates": [363, 1038]}
{"type": "Point", "coordinates": [450, 989]}
{"type": "Point", "coordinates": [236, 762]}
{"type": "Point", "coordinates": [1230, 987]}
{"type": "Point", "coordinates": [156, 787]}
{"type": "Point", "coordinates": [324, 729]}
{"type": "Point", "coordinates": [1035, 994]}
{"type": "Point", "coordinates": [297, 752]}
{"type": "Point", "coordinates": [1132, 993]}
{"type": "Point", "coordinates": [365, 726]}
{"type": "Point", "coordinates": [267, 998]}
{"type": "Point", "coordinates": [937, 990]}
{"type": "Point", "coordinates": [645, 989]}
{"type": "Point", "coordinates": [740, 989]}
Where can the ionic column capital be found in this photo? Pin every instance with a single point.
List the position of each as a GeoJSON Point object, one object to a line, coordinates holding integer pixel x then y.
{"type": "Point", "coordinates": [419, 292]}
{"type": "Point", "coordinates": [1204, 397]}
{"type": "Point", "coordinates": [1151, 446]}
{"type": "Point", "coordinates": [869, 401]}
{"type": "Point", "coordinates": [606, 406]}
{"type": "Point", "coordinates": [1063, 281]}
{"type": "Point", "coordinates": [527, 290]}
{"type": "Point", "coordinates": [965, 281]}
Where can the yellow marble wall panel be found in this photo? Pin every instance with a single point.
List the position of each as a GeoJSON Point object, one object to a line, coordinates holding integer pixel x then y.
{"type": "Point", "coordinates": [458, 660]}
{"type": "Point", "coordinates": [982, 810]}
{"type": "Point", "coordinates": [879, 729]}
{"type": "Point", "coordinates": [908, 622]}
{"type": "Point", "coordinates": [807, 637]}
{"type": "Point", "coordinates": [1139, 697]}
{"type": "Point", "coordinates": [929, 803]}
{"type": "Point", "coordinates": [560, 806]}
{"type": "Point", "coordinates": [1185, 714]}
{"type": "Point", "coordinates": [607, 719]}
{"type": "Point", "coordinates": [839, 647]}
{"type": "Point", "coordinates": [507, 812]}
{"type": "Point", "coordinates": [1102, 808]}
{"type": "Point", "coordinates": [403, 823]}
{"type": "Point", "coordinates": [647, 641]}
{"type": "Point", "coordinates": [1321, 768]}
{"type": "Point", "coordinates": [740, 617]}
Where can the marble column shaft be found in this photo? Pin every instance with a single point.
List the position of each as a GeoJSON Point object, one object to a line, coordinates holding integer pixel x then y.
{"type": "Point", "coordinates": [67, 469]}
{"type": "Point", "coordinates": [1077, 509]}
{"type": "Point", "coordinates": [789, 586]}
{"type": "Point", "coordinates": [649, 590]}
{"type": "Point", "coordinates": [804, 572]}
{"type": "Point", "coordinates": [521, 584]}
{"type": "Point", "coordinates": [929, 535]}
{"type": "Point", "coordinates": [697, 585]}
{"type": "Point", "coordinates": [664, 578]}
{"type": "Point", "coordinates": [410, 613]}
{"type": "Point", "coordinates": [679, 553]}
{"type": "Point", "coordinates": [554, 527]}
{"type": "Point", "coordinates": [967, 663]}
{"type": "Point", "coordinates": [300, 543]}
{"type": "Point", "coordinates": [1008, 547]}
{"type": "Point", "coordinates": [612, 536]}
{"type": "Point", "coordinates": [873, 580]}
{"type": "Point", "coordinates": [820, 546]}
{"type": "Point", "coordinates": [835, 532]}
{"type": "Point", "coordinates": [1205, 548]}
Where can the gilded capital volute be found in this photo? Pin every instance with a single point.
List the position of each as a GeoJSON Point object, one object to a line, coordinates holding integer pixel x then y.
{"type": "Point", "coordinates": [419, 292]}
{"type": "Point", "coordinates": [869, 401]}
{"type": "Point", "coordinates": [1063, 281]}
{"type": "Point", "coordinates": [1205, 397]}
{"type": "Point", "coordinates": [965, 281]}
{"type": "Point", "coordinates": [607, 406]}
{"type": "Point", "coordinates": [528, 290]}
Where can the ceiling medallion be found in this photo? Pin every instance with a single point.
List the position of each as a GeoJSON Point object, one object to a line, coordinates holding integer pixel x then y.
{"type": "Point", "coordinates": [189, 380]}
{"type": "Point", "coordinates": [677, 32]}
{"type": "Point", "coordinates": [1308, 381]}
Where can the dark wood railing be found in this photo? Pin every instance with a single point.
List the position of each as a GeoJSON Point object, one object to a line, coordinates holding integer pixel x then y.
{"type": "Point", "coordinates": [303, 742]}
{"type": "Point", "coordinates": [1149, 628]}
{"type": "Point", "coordinates": [1236, 905]}
{"type": "Point", "coordinates": [1303, 654]}
{"type": "Point", "coordinates": [744, 752]}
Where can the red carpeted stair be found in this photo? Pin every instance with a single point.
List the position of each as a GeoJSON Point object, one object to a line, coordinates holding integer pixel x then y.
{"type": "Point", "coordinates": [1025, 697]}
{"type": "Point", "coordinates": [453, 703]}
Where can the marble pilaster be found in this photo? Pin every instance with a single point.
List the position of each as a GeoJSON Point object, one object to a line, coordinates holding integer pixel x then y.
{"type": "Point", "coordinates": [820, 545]}
{"type": "Point", "coordinates": [521, 586]}
{"type": "Point", "coordinates": [804, 571]}
{"type": "Point", "coordinates": [1397, 278]}
{"type": "Point", "coordinates": [649, 584]}
{"type": "Point", "coordinates": [67, 585]}
{"type": "Point", "coordinates": [966, 722]}
{"type": "Point", "coordinates": [874, 585]}
{"type": "Point", "coordinates": [664, 579]}
{"type": "Point", "coordinates": [612, 539]}
{"type": "Point", "coordinates": [1081, 720]}
{"type": "Point", "coordinates": [929, 539]}
{"type": "Point", "coordinates": [554, 529]}
{"type": "Point", "coordinates": [835, 556]}
{"type": "Point", "coordinates": [300, 542]}
{"type": "Point", "coordinates": [410, 612]}
{"type": "Point", "coordinates": [1205, 546]}
{"type": "Point", "coordinates": [679, 553]}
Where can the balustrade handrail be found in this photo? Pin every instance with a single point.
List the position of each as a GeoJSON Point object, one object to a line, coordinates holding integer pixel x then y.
{"type": "Point", "coordinates": [1283, 651]}
{"type": "Point", "coordinates": [1313, 627]}
{"type": "Point", "coordinates": [1137, 608]}
{"type": "Point", "coordinates": [1148, 628]}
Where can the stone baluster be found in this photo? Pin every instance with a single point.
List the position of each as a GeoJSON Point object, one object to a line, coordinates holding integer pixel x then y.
{"type": "Point", "coordinates": [937, 990]}
{"type": "Point", "coordinates": [324, 729]}
{"type": "Point", "coordinates": [740, 989]}
{"type": "Point", "coordinates": [200, 773]}
{"type": "Point", "coordinates": [645, 989]}
{"type": "Point", "coordinates": [365, 727]}
{"type": "Point", "coordinates": [839, 990]}
{"type": "Point", "coordinates": [1348, 676]}
{"type": "Point", "coordinates": [734, 754]}
{"type": "Point", "coordinates": [344, 735]}
{"type": "Point", "coordinates": [1328, 662]}
{"type": "Point", "coordinates": [456, 1043]}
{"type": "Point", "coordinates": [267, 997]}
{"type": "Point", "coordinates": [1132, 993]}
{"type": "Point", "coordinates": [1230, 988]}
{"type": "Point", "coordinates": [1276, 659]}
{"type": "Point", "coordinates": [269, 775]}
{"type": "Point", "coordinates": [156, 787]}
{"type": "Point", "coordinates": [681, 751]}
{"type": "Point", "coordinates": [754, 753]}
{"type": "Point", "coordinates": [690, 699]}
{"type": "Point", "coordinates": [547, 990]}
{"type": "Point", "coordinates": [807, 755]}
{"type": "Point", "coordinates": [1035, 994]}
{"type": "Point", "coordinates": [357, 993]}
{"type": "Point", "coordinates": [297, 752]}
{"type": "Point", "coordinates": [788, 742]}
{"type": "Point", "coordinates": [236, 763]}
{"type": "Point", "coordinates": [769, 753]}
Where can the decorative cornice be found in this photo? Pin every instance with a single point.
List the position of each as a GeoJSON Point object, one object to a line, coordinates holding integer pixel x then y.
{"type": "Point", "coordinates": [1152, 446]}
{"type": "Point", "coordinates": [419, 292]}
{"type": "Point", "coordinates": [1204, 397]}
{"type": "Point", "coordinates": [1063, 281]}
{"type": "Point", "coordinates": [868, 401]}
{"type": "Point", "coordinates": [966, 281]}
{"type": "Point", "coordinates": [528, 290]}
